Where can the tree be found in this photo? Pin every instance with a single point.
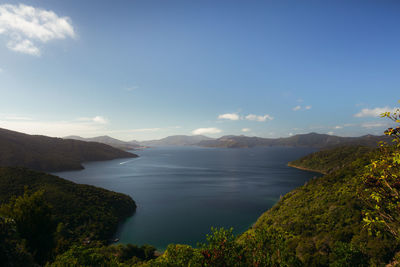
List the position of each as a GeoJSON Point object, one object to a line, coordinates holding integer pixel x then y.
{"type": "Point", "coordinates": [381, 189]}
{"type": "Point", "coordinates": [34, 223]}
{"type": "Point", "coordinates": [12, 247]}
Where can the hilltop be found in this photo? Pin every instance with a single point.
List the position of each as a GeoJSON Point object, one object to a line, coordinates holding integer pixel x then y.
{"type": "Point", "coordinates": [314, 140]}
{"type": "Point", "coordinates": [51, 154]}
{"type": "Point", "coordinates": [131, 145]}
{"type": "Point", "coordinates": [177, 140]}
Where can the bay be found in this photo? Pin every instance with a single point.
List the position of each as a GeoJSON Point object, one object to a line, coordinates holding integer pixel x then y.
{"type": "Point", "coordinates": [181, 192]}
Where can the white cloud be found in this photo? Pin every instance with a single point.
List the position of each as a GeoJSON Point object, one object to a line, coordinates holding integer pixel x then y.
{"type": "Point", "coordinates": [229, 116]}
{"type": "Point", "coordinates": [373, 124]}
{"type": "Point", "coordinates": [375, 112]}
{"type": "Point", "coordinates": [330, 133]}
{"type": "Point", "coordinates": [24, 46]}
{"type": "Point", "coordinates": [338, 127]}
{"type": "Point", "coordinates": [206, 131]}
{"type": "Point", "coordinates": [100, 119]}
{"type": "Point", "coordinates": [252, 117]}
{"type": "Point", "coordinates": [26, 25]}
{"type": "Point", "coordinates": [97, 119]}
{"type": "Point", "coordinates": [296, 108]}
{"type": "Point", "coordinates": [245, 130]}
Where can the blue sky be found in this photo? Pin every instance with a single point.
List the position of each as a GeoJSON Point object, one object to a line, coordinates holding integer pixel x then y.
{"type": "Point", "coordinates": [148, 69]}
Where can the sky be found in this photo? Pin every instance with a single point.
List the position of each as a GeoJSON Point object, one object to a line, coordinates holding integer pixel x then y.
{"type": "Point", "coordinates": [148, 69]}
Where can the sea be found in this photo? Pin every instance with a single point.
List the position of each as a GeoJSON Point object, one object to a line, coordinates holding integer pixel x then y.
{"type": "Point", "coordinates": [181, 192]}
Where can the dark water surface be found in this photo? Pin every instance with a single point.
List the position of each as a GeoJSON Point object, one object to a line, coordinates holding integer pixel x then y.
{"type": "Point", "coordinates": [182, 191]}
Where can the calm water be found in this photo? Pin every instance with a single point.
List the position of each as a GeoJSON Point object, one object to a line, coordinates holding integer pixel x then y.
{"type": "Point", "coordinates": [182, 192]}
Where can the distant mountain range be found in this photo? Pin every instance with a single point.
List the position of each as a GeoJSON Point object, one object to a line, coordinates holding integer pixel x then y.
{"type": "Point", "coordinates": [301, 140]}
{"type": "Point", "coordinates": [52, 154]}
{"type": "Point", "coordinates": [314, 140]}
{"type": "Point", "coordinates": [130, 145]}
{"type": "Point", "coordinates": [178, 140]}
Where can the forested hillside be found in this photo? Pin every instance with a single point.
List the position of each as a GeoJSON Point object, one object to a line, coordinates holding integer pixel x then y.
{"type": "Point", "coordinates": [52, 213]}
{"type": "Point", "coordinates": [84, 209]}
{"type": "Point", "coordinates": [328, 160]}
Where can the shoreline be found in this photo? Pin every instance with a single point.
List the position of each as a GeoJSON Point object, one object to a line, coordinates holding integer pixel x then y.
{"type": "Point", "coordinates": [305, 169]}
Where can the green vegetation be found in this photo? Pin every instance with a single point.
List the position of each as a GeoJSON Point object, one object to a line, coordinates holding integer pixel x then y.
{"type": "Point", "coordinates": [83, 210]}
{"type": "Point", "coordinates": [329, 160]}
{"type": "Point", "coordinates": [34, 223]}
{"type": "Point", "coordinates": [44, 153]}
{"type": "Point", "coordinates": [50, 213]}
{"type": "Point", "coordinates": [113, 255]}
{"type": "Point", "coordinates": [382, 186]}
{"type": "Point", "coordinates": [13, 251]}
{"type": "Point", "coordinates": [324, 214]}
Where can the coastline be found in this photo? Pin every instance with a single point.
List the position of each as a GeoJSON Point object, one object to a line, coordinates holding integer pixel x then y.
{"type": "Point", "coordinates": [305, 169]}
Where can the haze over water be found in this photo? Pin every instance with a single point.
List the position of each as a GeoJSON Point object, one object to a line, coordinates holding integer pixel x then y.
{"type": "Point", "coordinates": [182, 191]}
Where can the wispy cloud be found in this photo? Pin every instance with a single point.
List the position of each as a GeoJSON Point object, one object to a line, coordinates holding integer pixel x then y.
{"type": "Point", "coordinates": [245, 130]}
{"type": "Point", "coordinates": [96, 119]}
{"type": "Point", "coordinates": [131, 88]}
{"type": "Point", "coordinates": [298, 107]}
{"type": "Point", "coordinates": [229, 116]}
{"type": "Point", "coordinates": [17, 118]}
{"type": "Point", "coordinates": [261, 118]}
{"type": "Point", "coordinates": [206, 131]}
{"type": "Point", "coordinates": [373, 124]}
{"type": "Point", "coordinates": [25, 26]}
{"type": "Point", "coordinates": [374, 112]}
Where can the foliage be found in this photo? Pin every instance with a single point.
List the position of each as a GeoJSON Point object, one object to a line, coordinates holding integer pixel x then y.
{"type": "Point", "coordinates": [178, 255]}
{"type": "Point", "coordinates": [221, 248]}
{"type": "Point", "coordinates": [328, 160]}
{"type": "Point", "coordinates": [346, 254]}
{"type": "Point", "coordinates": [59, 213]}
{"type": "Point", "coordinates": [263, 247]}
{"type": "Point", "coordinates": [13, 251]}
{"type": "Point", "coordinates": [100, 255]}
{"type": "Point", "coordinates": [84, 211]}
{"type": "Point", "coordinates": [34, 223]}
{"type": "Point", "coordinates": [382, 185]}
{"type": "Point", "coordinates": [312, 219]}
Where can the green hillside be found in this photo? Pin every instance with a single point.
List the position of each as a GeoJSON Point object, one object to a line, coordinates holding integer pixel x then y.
{"type": "Point", "coordinates": [327, 212]}
{"type": "Point", "coordinates": [328, 160]}
{"type": "Point", "coordinates": [85, 211]}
